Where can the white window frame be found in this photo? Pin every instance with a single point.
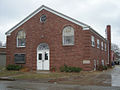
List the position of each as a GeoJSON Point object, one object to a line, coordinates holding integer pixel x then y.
{"type": "Point", "coordinates": [98, 43]}
{"type": "Point", "coordinates": [103, 62]}
{"type": "Point", "coordinates": [17, 39]}
{"type": "Point", "coordinates": [98, 62]}
{"type": "Point", "coordinates": [102, 45]}
{"type": "Point", "coordinates": [93, 41]}
{"type": "Point", "coordinates": [63, 36]}
{"type": "Point", "coordinates": [105, 47]}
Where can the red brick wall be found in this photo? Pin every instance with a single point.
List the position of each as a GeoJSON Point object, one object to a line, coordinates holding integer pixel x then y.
{"type": "Point", "coordinates": [51, 31]}
{"type": "Point", "coordinates": [2, 50]}
{"type": "Point", "coordinates": [94, 53]}
{"type": "Point", "coordinates": [108, 28]}
{"type": "Point", "coordinates": [98, 53]}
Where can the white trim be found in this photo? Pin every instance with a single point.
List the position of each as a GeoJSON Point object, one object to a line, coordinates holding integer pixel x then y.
{"type": "Point", "coordinates": [2, 47]}
{"type": "Point", "coordinates": [86, 28]}
{"type": "Point", "coordinates": [20, 46]}
{"type": "Point", "coordinates": [96, 33]}
{"type": "Point", "coordinates": [50, 10]}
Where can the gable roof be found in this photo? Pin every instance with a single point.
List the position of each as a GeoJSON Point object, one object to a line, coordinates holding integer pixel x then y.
{"type": "Point", "coordinates": [50, 10]}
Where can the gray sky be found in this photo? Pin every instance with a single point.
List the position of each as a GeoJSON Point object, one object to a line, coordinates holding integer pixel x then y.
{"type": "Point", "coordinates": [95, 13]}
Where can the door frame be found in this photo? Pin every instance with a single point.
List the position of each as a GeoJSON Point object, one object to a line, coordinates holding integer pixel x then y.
{"type": "Point", "coordinates": [45, 50]}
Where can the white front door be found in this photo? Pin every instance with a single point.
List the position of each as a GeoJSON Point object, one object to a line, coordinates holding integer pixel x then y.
{"type": "Point", "coordinates": [43, 60]}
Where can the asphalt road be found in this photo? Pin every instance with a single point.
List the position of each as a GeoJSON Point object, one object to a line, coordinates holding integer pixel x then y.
{"type": "Point", "coordinates": [5, 85]}
{"type": "Point", "coordinates": [27, 85]}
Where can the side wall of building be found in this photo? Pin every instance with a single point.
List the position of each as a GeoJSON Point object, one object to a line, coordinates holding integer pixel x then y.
{"type": "Point", "coordinates": [97, 54]}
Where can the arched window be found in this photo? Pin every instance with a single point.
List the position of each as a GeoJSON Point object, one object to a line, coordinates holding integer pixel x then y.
{"type": "Point", "coordinates": [21, 36]}
{"type": "Point", "coordinates": [68, 36]}
{"type": "Point", "coordinates": [43, 46]}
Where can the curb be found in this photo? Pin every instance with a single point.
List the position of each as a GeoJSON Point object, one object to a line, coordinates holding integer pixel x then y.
{"type": "Point", "coordinates": [7, 79]}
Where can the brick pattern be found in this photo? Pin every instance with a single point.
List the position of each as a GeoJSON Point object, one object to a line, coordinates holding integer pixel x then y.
{"type": "Point", "coordinates": [2, 50]}
{"type": "Point", "coordinates": [50, 32]}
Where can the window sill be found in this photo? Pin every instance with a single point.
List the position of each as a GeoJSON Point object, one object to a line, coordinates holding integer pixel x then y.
{"type": "Point", "coordinates": [93, 46]}
{"type": "Point", "coordinates": [21, 46]}
{"type": "Point", "coordinates": [68, 45]}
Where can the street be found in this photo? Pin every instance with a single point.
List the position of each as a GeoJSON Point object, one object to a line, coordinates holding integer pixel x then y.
{"type": "Point", "coordinates": [108, 80]}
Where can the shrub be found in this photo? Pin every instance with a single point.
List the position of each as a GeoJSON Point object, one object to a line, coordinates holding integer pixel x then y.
{"type": "Point", "coordinates": [101, 67]}
{"type": "Point", "coordinates": [105, 67]}
{"type": "Point", "coordinates": [66, 68]}
{"type": "Point", "coordinates": [62, 69]}
{"type": "Point", "coordinates": [14, 67]}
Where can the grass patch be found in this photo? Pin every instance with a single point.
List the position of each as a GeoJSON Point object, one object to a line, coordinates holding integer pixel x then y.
{"type": "Point", "coordinates": [6, 73]}
{"type": "Point", "coordinates": [37, 75]}
{"type": "Point", "coordinates": [30, 75]}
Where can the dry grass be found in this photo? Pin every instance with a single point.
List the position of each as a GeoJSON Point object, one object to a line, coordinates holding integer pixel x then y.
{"type": "Point", "coordinates": [9, 73]}
{"type": "Point", "coordinates": [39, 75]}
{"type": "Point", "coordinates": [33, 75]}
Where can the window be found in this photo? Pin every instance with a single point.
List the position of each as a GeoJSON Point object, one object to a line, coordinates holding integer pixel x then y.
{"type": "Point", "coordinates": [102, 62]}
{"type": "Point", "coordinates": [102, 45]}
{"type": "Point", "coordinates": [68, 36]}
{"type": "Point", "coordinates": [98, 43]}
{"type": "Point", "coordinates": [40, 56]}
{"type": "Point", "coordinates": [46, 56]}
{"type": "Point", "coordinates": [19, 58]}
{"type": "Point", "coordinates": [105, 47]}
{"type": "Point", "coordinates": [43, 18]}
{"type": "Point", "coordinates": [21, 39]}
{"type": "Point", "coordinates": [98, 62]}
{"type": "Point", "coordinates": [93, 41]}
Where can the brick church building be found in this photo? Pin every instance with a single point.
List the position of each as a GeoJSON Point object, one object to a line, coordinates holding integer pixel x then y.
{"type": "Point", "coordinates": [47, 38]}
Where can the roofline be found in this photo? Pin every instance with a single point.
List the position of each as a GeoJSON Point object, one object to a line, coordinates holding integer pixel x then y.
{"type": "Point", "coordinates": [92, 30]}
{"type": "Point", "coordinates": [50, 10]}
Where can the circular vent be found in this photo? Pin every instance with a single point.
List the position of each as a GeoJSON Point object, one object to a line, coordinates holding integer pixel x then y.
{"type": "Point", "coordinates": [43, 18]}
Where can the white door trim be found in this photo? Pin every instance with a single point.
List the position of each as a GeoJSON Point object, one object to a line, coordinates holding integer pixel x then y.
{"type": "Point", "coordinates": [43, 57]}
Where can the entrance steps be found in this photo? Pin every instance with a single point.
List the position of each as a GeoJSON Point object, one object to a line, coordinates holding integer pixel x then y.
{"type": "Point", "coordinates": [43, 71]}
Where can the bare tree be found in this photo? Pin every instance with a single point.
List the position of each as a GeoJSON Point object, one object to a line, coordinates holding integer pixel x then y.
{"type": "Point", "coordinates": [115, 47]}
{"type": "Point", "coordinates": [116, 50]}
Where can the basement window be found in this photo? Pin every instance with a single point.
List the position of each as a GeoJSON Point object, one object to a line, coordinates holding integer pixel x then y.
{"type": "Point", "coordinates": [19, 58]}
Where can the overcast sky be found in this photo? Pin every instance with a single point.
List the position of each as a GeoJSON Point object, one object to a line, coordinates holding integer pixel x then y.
{"type": "Point", "coordinates": [95, 13]}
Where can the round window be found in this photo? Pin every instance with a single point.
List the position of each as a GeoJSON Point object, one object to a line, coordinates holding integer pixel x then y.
{"type": "Point", "coordinates": [43, 18]}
